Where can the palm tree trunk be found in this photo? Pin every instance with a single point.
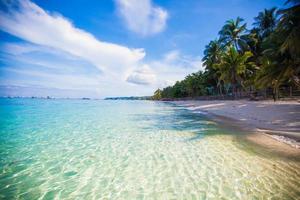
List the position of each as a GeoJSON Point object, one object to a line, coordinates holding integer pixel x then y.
{"type": "Point", "coordinates": [265, 93]}
{"type": "Point", "coordinates": [219, 85]}
{"type": "Point", "coordinates": [275, 93]}
{"type": "Point", "coordinates": [234, 90]}
{"type": "Point", "coordinates": [220, 90]}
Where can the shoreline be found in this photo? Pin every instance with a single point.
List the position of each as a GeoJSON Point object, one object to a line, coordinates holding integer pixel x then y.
{"type": "Point", "coordinates": [274, 125]}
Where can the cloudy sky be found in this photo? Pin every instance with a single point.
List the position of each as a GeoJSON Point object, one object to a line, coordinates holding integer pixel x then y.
{"type": "Point", "coordinates": [101, 48]}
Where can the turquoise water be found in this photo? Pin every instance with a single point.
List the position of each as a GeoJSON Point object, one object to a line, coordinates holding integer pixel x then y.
{"type": "Point", "coordinates": [76, 149]}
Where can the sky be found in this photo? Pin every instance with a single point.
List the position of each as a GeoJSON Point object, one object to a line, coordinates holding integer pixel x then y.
{"type": "Point", "coordinates": [107, 48]}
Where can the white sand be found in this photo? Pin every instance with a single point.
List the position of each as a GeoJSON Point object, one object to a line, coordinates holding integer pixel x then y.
{"type": "Point", "coordinates": [280, 118]}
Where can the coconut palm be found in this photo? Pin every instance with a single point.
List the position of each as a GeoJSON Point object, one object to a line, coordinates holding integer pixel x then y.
{"type": "Point", "coordinates": [234, 67]}
{"type": "Point", "coordinates": [212, 56]}
{"type": "Point", "coordinates": [233, 33]}
{"type": "Point", "coordinates": [212, 52]}
{"type": "Point", "coordinates": [270, 75]}
{"type": "Point", "coordinates": [266, 22]}
{"type": "Point", "coordinates": [266, 56]}
{"type": "Point", "coordinates": [282, 49]}
{"type": "Point", "coordinates": [157, 95]}
{"type": "Point", "coordinates": [289, 29]}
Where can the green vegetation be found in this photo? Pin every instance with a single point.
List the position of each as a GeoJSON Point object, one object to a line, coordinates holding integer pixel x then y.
{"type": "Point", "coordinates": [242, 61]}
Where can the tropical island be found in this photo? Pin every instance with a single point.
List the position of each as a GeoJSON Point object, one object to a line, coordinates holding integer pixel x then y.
{"type": "Point", "coordinates": [79, 120]}
{"type": "Point", "coordinates": [262, 61]}
{"type": "Point", "coordinates": [261, 64]}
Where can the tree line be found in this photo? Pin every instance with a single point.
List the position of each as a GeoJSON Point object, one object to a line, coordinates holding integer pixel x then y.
{"type": "Point", "coordinates": [267, 56]}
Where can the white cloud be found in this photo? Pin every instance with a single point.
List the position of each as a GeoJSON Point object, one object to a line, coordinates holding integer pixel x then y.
{"type": "Point", "coordinates": [58, 55]}
{"type": "Point", "coordinates": [142, 76]}
{"type": "Point", "coordinates": [33, 24]}
{"type": "Point", "coordinates": [142, 17]}
{"type": "Point", "coordinates": [23, 48]}
{"type": "Point", "coordinates": [17, 49]}
{"type": "Point", "coordinates": [74, 81]}
{"type": "Point", "coordinates": [175, 57]}
{"type": "Point", "coordinates": [43, 58]}
{"type": "Point", "coordinates": [174, 66]}
{"type": "Point", "coordinates": [171, 56]}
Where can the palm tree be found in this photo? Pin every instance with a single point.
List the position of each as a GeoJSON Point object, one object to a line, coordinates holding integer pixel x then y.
{"type": "Point", "coordinates": [278, 67]}
{"type": "Point", "coordinates": [289, 28]}
{"type": "Point", "coordinates": [157, 95]}
{"type": "Point", "coordinates": [266, 22]}
{"type": "Point", "coordinates": [282, 50]}
{"type": "Point", "coordinates": [233, 33]}
{"type": "Point", "coordinates": [212, 57]}
{"type": "Point", "coordinates": [234, 67]}
{"type": "Point", "coordinates": [212, 52]}
{"type": "Point", "coordinates": [264, 25]}
{"type": "Point", "coordinates": [273, 45]}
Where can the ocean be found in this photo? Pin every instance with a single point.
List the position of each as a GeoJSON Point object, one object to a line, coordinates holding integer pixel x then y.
{"type": "Point", "coordinates": [97, 149]}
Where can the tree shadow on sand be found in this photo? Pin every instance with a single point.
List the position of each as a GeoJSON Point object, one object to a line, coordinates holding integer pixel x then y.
{"type": "Point", "coordinates": [177, 118]}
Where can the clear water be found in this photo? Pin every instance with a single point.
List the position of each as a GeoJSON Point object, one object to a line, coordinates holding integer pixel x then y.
{"type": "Point", "coordinates": [75, 149]}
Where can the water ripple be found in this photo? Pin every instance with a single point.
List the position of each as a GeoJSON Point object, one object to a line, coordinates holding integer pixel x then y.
{"type": "Point", "coordinates": [130, 150]}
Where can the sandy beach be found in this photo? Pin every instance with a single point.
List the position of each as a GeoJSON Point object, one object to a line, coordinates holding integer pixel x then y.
{"type": "Point", "coordinates": [267, 120]}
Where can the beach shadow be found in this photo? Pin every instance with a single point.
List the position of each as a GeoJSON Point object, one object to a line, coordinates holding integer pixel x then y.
{"type": "Point", "coordinates": [178, 118]}
{"type": "Point", "coordinates": [273, 149]}
{"type": "Point", "coordinates": [291, 120]}
{"type": "Point", "coordinates": [255, 143]}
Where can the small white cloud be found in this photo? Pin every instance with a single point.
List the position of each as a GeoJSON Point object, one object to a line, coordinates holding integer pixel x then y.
{"type": "Point", "coordinates": [175, 57]}
{"type": "Point", "coordinates": [172, 56]}
{"type": "Point", "coordinates": [166, 83]}
{"type": "Point", "coordinates": [174, 66]}
{"type": "Point", "coordinates": [142, 76]}
{"type": "Point", "coordinates": [142, 17]}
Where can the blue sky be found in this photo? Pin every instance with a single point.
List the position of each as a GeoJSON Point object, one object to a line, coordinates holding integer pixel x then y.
{"type": "Point", "coordinates": [108, 47]}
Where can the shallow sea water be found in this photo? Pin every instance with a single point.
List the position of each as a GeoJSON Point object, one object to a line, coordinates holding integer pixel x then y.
{"type": "Point", "coordinates": [76, 149]}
